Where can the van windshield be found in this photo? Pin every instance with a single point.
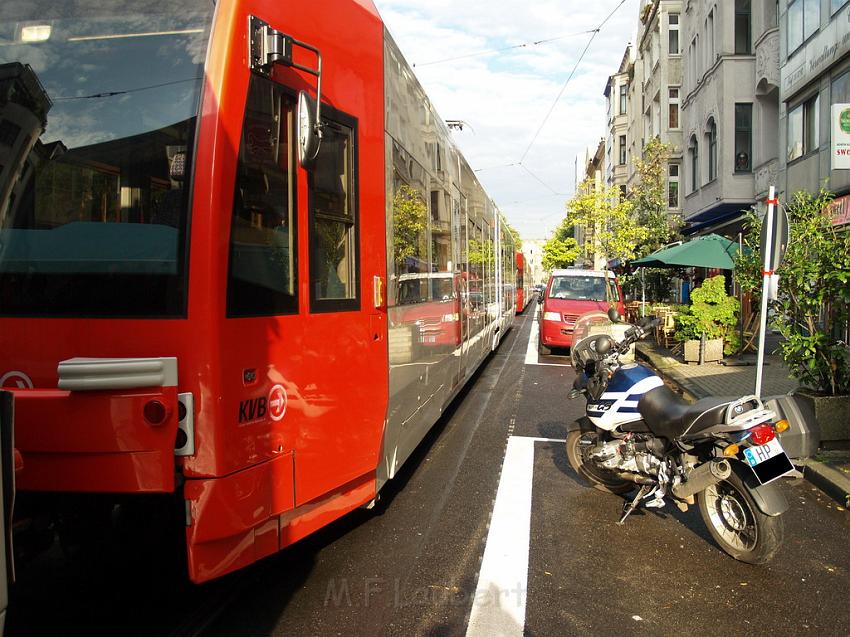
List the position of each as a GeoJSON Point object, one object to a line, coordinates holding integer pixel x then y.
{"type": "Point", "coordinates": [98, 108]}
{"type": "Point", "coordinates": [583, 288]}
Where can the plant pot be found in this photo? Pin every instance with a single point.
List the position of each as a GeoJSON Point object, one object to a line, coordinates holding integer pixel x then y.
{"type": "Point", "coordinates": [831, 412]}
{"type": "Point", "coordinates": [713, 350]}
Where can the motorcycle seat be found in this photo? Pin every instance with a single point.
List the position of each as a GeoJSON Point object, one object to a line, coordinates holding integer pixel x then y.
{"type": "Point", "coordinates": [669, 416]}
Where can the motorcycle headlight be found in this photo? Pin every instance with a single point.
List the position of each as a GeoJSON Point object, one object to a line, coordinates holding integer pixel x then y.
{"type": "Point", "coordinates": [551, 316]}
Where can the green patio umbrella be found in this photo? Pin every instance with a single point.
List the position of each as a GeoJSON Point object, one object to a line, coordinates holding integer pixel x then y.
{"type": "Point", "coordinates": [710, 251]}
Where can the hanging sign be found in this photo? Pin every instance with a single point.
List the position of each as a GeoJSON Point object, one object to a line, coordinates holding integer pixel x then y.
{"type": "Point", "coordinates": [840, 151]}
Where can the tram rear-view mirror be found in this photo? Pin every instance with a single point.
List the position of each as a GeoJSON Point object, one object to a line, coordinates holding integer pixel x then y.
{"type": "Point", "coordinates": [308, 131]}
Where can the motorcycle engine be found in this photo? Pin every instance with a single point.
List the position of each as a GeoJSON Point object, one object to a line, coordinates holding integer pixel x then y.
{"type": "Point", "coordinates": [625, 455]}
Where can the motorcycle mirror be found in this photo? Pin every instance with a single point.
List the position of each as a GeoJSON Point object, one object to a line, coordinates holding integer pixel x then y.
{"type": "Point", "coordinates": [614, 315]}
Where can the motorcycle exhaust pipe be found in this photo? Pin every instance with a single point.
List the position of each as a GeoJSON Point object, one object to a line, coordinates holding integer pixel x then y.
{"type": "Point", "coordinates": [637, 478]}
{"type": "Point", "coordinates": [702, 477]}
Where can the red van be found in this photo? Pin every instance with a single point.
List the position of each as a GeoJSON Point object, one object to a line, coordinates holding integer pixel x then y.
{"type": "Point", "coordinates": [568, 295]}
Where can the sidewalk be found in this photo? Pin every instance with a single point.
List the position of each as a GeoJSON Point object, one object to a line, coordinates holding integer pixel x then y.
{"type": "Point", "coordinates": [829, 470]}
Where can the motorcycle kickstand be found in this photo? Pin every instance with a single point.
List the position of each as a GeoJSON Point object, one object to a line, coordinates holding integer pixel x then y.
{"type": "Point", "coordinates": [629, 507]}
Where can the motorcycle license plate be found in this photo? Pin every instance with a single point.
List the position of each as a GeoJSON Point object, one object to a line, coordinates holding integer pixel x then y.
{"type": "Point", "coordinates": [768, 462]}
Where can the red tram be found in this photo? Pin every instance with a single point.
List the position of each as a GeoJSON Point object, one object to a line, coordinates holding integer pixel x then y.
{"type": "Point", "coordinates": [523, 282]}
{"type": "Point", "coordinates": [242, 264]}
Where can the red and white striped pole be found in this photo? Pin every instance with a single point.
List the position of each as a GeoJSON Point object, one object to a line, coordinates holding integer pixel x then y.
{"type": "Point", "coordinates": [767, 273]}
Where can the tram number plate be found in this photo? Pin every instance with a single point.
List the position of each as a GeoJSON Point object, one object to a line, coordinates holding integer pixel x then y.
{"type": "Point", "coordinates": [768, 462]}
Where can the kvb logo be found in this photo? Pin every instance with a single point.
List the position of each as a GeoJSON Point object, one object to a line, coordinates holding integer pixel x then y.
{"type": "Point", "coordinates": [277, 402]}
{"type": "Point", "coordinates": [15, 380]}
{"type": "Point", "coordinates": [256, 409]}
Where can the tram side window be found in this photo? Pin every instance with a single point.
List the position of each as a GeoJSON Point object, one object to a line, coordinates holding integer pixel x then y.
{"type": "Point", "coordinates": [263, 273]}
{"type": "Point", "coordinates": [334, 223]}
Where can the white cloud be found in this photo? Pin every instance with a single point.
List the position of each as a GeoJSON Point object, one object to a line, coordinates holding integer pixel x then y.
{"type": "Point", "coordinates": [505, 96]}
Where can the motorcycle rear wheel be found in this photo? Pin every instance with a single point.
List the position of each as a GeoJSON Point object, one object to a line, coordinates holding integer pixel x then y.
{"type": "Point", "coordinates": [736, 523]}
{"type": "Point", "coordinates": [598, 478]}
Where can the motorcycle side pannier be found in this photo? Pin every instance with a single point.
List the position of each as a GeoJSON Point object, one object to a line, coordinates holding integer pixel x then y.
{"type": "Point", "coordinates": [803, 438]}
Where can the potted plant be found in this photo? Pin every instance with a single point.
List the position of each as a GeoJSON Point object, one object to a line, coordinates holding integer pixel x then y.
{"type": "Point", "coordinates": [813, 307]}
{"type": "Point", "coordinates": [712, 315]}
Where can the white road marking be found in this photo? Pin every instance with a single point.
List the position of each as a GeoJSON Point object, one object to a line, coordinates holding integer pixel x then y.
{"type": "Point", "coordinates": [498, 608]}
{"type": "Point", "coordinates": [531, 352]}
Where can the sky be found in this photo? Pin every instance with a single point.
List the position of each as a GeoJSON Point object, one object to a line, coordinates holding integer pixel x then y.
{"type": "Point", "coordinates": [504, 97]}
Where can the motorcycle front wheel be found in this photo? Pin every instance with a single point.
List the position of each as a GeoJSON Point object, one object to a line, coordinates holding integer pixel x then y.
{"type": "Point", "coordinates": [736, 523]}
{"type": "Point", "coordinates": [601, 479]}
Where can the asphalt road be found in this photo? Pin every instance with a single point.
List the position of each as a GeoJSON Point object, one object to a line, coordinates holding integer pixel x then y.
{"type": "Point", "coordinates": [411, 566]}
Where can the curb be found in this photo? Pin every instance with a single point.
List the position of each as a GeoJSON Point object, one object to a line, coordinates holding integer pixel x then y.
{"type": "Point", "coordinates": [831, 481]}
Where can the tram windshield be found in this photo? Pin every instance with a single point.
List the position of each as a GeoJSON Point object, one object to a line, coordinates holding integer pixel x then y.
{"type": "Point", "coordinates": [98, 108]}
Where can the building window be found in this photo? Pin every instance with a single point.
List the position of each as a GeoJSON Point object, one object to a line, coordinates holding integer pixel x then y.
{"type": "Point", "coordinates": [803, 124]}
{"type": "Point", "coordinates": [622, 191]}
{"type": "Point", "coordinates": [673, 33]}
{"type": "Point", "coordinates": [673, 186]}
{"type": "Point", "coordinates": [623, 89]}
{"type": "Point", "coordinates": [803, 21]}
{"type": "Point", "coordinates": [742, 27]}
{"type": "Point", "coordinates": [622, 150]}
{"type": "Point", "coordinates": [710, 30]}
{"type": "Point", "coordinates": [673, 108]}
{"type": "Point", "coordinates": [743, 138]}
{"type": "Point", "coordinates": [712, 150]}
{"type": "Point", "coordinates": [841, 89]}
{"type": "Point", "coordinates": [334, 220]}
{"type": "Point", "coordinates": [694, 152]}
{"type": "Point", "coordinates": [837, 4]}
{"type": "Point", "coordinates": [9, 132]}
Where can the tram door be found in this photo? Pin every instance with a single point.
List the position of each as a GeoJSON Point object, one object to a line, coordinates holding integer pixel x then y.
{"type": "Point", "coordinates": [303, 257]}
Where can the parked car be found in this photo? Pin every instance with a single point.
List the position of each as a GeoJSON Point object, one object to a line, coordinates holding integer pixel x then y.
{"type": "Point", "coordinates": [568, 295]}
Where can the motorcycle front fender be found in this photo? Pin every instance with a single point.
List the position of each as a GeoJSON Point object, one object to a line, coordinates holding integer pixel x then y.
{"type": "Point", "coordinates": [769, 498]}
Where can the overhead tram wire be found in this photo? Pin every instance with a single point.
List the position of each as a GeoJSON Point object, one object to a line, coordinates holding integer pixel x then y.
{"type": "Point", "coordinates": [502, 50]}
{"type": "Point", "coordinates": [594, 33]}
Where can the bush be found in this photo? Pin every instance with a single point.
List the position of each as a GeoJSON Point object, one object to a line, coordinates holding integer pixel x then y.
{"type": "Point", "coordinates": [814, 296]}
{"type": "Point", "coordinates": [712, 312]}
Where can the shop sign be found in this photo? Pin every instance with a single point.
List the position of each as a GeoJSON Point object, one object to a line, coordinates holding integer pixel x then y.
{"type": "Point", "coordinates": [840, 211]}
{"type": "Point", "coordinates": [840, 151]}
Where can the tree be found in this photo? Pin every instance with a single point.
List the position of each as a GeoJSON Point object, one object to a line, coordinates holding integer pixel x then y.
{"type": "Point", "coordinates": [649, 196]}
{"type": "Point", "coordinates": [814, 292]}
{"type": "Point", "coordinates": [560, 253]}
{"type": "Point", "coordinates": [613, 231]}
{"type": "Point", "coordinates": [515, 234]}
{"type": "Point", "coordinates": [410, 216]}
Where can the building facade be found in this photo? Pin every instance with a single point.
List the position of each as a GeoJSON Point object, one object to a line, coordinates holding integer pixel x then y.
{"type": "Point", "coordinates": [730, 89]}
{"type": "Point", "coordinates": [616, 141]}
{"type": "Point", "coordinates": [590, 167]}
{"type": "Point", "coordinates": [533, 251]}
{"type": "Point", "coordinates": [658, 73]}
{"type": "Point", "coordinates": [814, 76]}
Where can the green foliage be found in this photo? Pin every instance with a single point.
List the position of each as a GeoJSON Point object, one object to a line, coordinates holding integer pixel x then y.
{"type": "Point", "coordinates": [611, 229]}
{"type": "Point", "coordinates": [480, 252]}
{"type": "Point", "coordinates": [713, 313]}
{"type": "Point", "coordinates": [565, 231]}
{"type": "Point", "coordinates": [814, 295]}
{"type": "Point", "coordinates": [559, 253]}
{"type": "Point", "coordinates": [410, 218]}
{"type": "Point", "coordinates": [748, 264]}
{"type": "Point", "coordinates": [515, 234]}
{"type": "Point", "coordinates": [649, 196]}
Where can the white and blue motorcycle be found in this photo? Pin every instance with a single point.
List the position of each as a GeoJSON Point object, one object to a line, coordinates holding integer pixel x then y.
{"type": "Point", "coordinates": [638, 434]}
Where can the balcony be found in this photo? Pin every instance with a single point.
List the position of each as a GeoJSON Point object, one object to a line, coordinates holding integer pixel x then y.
{"type": "Point", "coordinates": [767, 62]}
